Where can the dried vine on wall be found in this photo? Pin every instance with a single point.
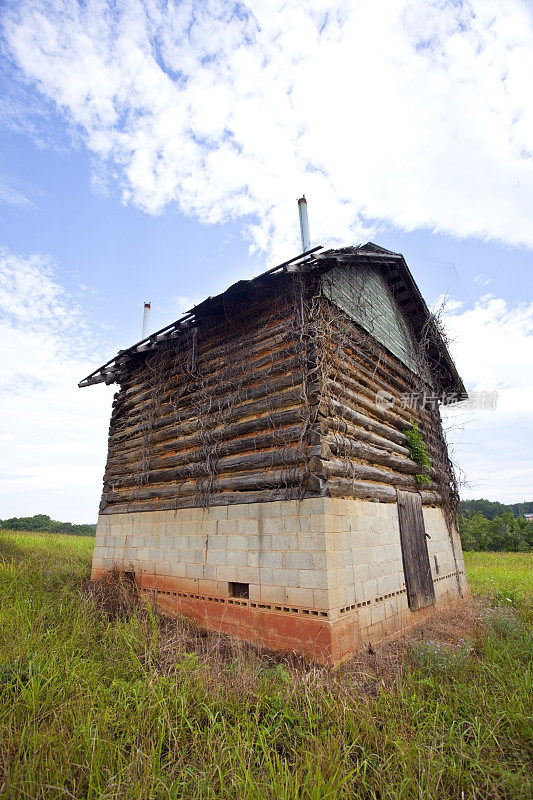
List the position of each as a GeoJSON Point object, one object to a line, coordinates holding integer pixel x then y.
{"type": "Point", "coordinates": [246, 372]}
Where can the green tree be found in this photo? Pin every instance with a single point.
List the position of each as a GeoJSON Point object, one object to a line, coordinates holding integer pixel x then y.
{"type": "Point", "coordinates": [504, 532]}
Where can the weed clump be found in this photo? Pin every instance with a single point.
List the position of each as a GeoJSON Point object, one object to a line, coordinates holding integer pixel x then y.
{"type": "Point", "coordinates": [416, 444]}
{"type": "Point", "coordinates": [115, 593]}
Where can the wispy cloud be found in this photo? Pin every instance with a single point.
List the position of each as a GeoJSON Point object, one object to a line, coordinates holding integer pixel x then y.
{"type": "Point", "coordinates": [54, 434]}
{"type": "Point", "coordinates": [482, 280]}
{"type": "Point", "coordinates": [183, 303]}
{"type": "Point", "coordinates": [12, 197]}
{"type": "Point", "coordinates": [493, 344]}
{"type": "Point", "coordinates": [413, 112]}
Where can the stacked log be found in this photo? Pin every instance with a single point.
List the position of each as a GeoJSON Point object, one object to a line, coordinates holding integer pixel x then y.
{"type": "Point", "coordinates": [364, 451]}
{"type": "Point", "coordinates": [217, 415]}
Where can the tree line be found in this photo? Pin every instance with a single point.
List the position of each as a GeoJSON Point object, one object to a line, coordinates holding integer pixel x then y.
{"type": "Point", "coordinates": [492, 508]}
{"type": "Point", "coordinates": [43, 524]}
{"type": "Point", "coordinates": [489, 525]}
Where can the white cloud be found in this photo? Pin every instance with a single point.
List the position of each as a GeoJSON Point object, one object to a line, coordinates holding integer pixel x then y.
{"type": "Point", "coordinates": [492, 344]}
{"type": "Point", "coordinates": [183, 303]}
{"type": "Point", "coordinates": [413, 112]}
{"type": "Point", "coordinates": [53, 434]}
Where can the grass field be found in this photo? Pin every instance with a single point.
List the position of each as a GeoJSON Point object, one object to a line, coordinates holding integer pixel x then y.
{"type": "Point", "coordinates": [505, 577]}
{"type": "Point", "coordinates": [96, 702]}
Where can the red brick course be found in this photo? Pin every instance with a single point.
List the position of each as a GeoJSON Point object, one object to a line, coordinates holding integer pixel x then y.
{"type": "Point", "coordinates": [324, 641]}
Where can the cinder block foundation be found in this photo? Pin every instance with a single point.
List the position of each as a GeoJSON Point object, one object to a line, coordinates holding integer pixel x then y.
{"type": "Point", "coordinates": [322, 575]}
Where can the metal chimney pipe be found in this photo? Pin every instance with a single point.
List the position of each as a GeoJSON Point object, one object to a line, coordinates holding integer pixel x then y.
{"type": "Point", "coordinates": [304, 224]}
{"type": "Point", "coordinates": [146, 320]}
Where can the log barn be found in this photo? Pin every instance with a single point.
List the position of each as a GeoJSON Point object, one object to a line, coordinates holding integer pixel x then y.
{"type": "Point", "coordinates": [277, 468]}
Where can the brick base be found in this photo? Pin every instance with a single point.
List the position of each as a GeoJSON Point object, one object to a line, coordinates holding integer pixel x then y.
{"type": "Point", "coordinates": [324, 641]}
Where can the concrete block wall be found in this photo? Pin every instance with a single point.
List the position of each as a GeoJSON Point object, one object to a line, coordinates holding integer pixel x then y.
{"type": "Point", "coordinates": [278, 548]}
{"type": "Point", "coordinates": [365, 572]}
{"type": "Point", "coordinates": [331, 561]}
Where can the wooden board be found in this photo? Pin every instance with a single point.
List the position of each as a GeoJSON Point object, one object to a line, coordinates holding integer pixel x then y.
{"type": "Point", "coordinates": [417, 571]}
{"type": "Point", "coordinates": [363, 293]}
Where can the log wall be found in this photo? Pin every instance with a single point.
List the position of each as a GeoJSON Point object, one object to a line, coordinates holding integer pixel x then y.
{"type": "Point", "coordinates": [218, 415]}
{"type": "Point", "coordinates": [364, 447]}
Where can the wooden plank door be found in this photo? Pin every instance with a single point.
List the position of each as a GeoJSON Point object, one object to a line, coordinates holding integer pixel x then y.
{"type": "Point", "coordinates": [416, 568]}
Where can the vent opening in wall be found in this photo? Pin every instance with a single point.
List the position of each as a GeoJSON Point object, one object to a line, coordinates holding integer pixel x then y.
{"type": "Point", "coordinates": [436, 565]}
{"type": "Point", "coordinates": [239, 589]}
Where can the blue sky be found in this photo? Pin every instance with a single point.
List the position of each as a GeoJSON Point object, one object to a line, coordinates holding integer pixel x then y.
{"type": "Point", "coordinates": [155, 152]}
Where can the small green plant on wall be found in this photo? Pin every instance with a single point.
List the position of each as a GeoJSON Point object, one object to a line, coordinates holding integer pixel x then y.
{"type": "Point", "coordinates": [416, 444]}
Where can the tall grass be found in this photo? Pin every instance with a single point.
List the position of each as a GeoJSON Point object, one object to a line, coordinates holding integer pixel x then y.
{"type": "Point", "coordinates": [100, 705]}
{"type": "Point", "coordinates": [505, 578]}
